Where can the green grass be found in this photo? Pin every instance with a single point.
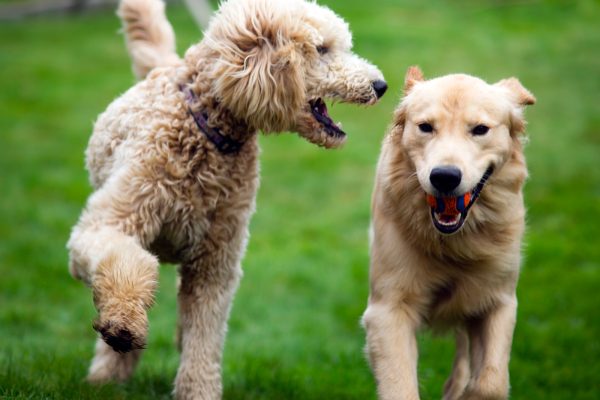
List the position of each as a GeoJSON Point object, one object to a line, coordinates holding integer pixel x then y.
{"type": "Point", "coordinates": [294, 331]}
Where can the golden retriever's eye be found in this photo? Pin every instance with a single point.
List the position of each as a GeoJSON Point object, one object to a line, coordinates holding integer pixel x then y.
{"type": "Point", "coordinates": [425, 127]}
{"type": "Point", "coordinates": [322, 49]}
{"type": "Point", "coordinates": [480, 130]}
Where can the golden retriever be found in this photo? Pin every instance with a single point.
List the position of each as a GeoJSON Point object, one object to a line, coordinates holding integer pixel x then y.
{"type": "Point", "coordinates": [447, 225]}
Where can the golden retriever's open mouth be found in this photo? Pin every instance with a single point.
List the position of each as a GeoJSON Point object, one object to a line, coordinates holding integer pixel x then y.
{"type": "Point", "coordinates": [449, 213]}
{"type": "Point", "coordinates": [319, 112]}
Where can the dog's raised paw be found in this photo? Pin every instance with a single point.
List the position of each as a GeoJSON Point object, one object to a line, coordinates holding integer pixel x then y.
{"type": "Point", "coordinates": [119, 337]}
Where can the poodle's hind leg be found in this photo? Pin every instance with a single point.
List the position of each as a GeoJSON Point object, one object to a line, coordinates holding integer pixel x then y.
{"type": "Point", "coordinates": [111, 366]}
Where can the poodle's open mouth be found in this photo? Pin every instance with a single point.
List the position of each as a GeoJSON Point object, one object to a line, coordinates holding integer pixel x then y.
{"type": "Point", "coordinates": [319, 111]}
{"type": "Point", "coordinates": [449, 213]}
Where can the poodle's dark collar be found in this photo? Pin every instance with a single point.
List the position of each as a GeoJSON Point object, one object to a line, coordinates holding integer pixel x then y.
{"type": "Point", "coordinates": [224, 144]}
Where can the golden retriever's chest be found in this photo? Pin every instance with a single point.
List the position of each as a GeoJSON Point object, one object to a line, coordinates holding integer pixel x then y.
{"type": "Point", "coordinates": [463, 297]}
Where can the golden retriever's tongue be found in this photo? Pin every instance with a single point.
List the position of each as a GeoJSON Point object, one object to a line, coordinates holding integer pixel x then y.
{"type": "Point", "coordinates": [449, 206]}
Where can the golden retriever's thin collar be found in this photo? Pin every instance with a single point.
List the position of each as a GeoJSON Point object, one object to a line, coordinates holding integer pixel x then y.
{"type": "Point", "coordinates": [224, 144]}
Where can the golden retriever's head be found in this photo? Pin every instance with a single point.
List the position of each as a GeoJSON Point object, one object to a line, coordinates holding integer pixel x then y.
{"type": "Point", "coordinates": [276, 61]}
{"type": "Point", "coordinates": [457, 131]}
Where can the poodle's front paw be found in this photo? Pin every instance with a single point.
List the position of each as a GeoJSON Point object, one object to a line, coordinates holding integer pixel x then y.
{"type": "Point", "coordinates": [121, 334]}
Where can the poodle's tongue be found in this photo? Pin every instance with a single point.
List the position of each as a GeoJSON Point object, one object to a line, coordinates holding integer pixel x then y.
{"type": "Point", "coordinates": [449, 206]}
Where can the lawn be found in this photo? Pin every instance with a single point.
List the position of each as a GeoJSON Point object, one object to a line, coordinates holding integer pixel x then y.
{"type": "Point", "coordinates": [294, 331]}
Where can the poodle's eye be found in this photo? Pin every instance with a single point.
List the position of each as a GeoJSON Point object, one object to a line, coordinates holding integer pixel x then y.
{"type": "Point", "coordinates": [322, 49]}
{"type": "Point", "coordinates": [480, 130]}
{"type": "Point", "coordinates": [426, 127]}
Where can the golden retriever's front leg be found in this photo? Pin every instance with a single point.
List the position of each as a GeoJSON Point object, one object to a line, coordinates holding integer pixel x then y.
{"type": "Point", "coordinates": [392, 349]}
{"type": "Point", "coordinates": [461, 372]}
{"type": "Point", "coordinates": [491, 340]}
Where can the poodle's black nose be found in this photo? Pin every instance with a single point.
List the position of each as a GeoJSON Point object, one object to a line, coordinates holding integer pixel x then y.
{"type": "Point", "coordinates": [445, 178]}
{"type": "Point", "coordinates": [379, 87]}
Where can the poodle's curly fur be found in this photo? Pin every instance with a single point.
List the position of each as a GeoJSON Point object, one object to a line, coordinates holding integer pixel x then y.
{"type": "Point", "coordinates": [164, 192]}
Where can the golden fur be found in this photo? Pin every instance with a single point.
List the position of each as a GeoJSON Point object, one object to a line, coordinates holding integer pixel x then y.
{"type": "Point", "coordinates": [163, 191]}
{"type": "Point", "coordinates": [467, 280]}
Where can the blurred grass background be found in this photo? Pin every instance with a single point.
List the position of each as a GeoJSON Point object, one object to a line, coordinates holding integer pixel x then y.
{"type": "Point", "coordinates": [294, 330]}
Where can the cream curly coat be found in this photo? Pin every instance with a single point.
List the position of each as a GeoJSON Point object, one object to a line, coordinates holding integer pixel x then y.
{"type": "Point", "coordinates": [164, 192]}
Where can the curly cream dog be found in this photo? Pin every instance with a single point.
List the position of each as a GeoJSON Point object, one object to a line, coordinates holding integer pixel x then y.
{"type": "Point", "coordinates": [447, 224]}
{"type": "Point", "coordinates": [174, 165]}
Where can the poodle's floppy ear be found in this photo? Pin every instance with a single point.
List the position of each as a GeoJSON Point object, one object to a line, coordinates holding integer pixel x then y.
{"type": "Point", "coordinates": [413, 75]}
{"type": "Point", "coordinates": [517, 91]}
{"type": "Point", "coordinates": [258, 73]}
{"type": "Point", "coordinates": [520, 97]}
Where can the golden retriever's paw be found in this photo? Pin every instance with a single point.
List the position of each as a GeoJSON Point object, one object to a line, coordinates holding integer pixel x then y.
{"type": "Point", "coordinates": [479, 395]}
{"type": "Point", "coordinates": [123, 337]}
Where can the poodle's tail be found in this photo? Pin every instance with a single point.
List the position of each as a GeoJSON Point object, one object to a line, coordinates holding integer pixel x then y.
{"type": "Point", "coordinates": [148, 34]}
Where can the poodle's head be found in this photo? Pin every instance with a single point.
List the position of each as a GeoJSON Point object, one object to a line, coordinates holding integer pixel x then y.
{"type": "Point", "coordinates": [276, 61]}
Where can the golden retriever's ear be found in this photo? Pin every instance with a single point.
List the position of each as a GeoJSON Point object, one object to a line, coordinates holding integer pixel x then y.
{"type": "Point", "coordinates": [517, 91]}
{"type": "Point", "coordinates": [413, 75]}
{"type": "Point", "coordinates": [399, 121]}
{"type": "Point", "coordinates": [520, 97]}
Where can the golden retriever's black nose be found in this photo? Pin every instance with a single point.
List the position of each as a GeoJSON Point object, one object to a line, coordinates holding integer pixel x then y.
{"type": "Point", "coordinates": [445, 178]}
{"type": "Point", "coordinates": [379, 87]}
